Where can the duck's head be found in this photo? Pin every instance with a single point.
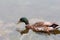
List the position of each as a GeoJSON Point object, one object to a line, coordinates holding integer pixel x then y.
{"type": "Point", "coordinates": [23, 19]}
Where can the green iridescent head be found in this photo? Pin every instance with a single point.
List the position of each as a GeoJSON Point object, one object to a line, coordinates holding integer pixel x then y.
{"type": "Point", "coordinates": [23, 19]}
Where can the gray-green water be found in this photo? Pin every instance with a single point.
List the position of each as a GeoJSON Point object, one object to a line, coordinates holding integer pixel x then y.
{"type": "Point", "coordinates": [12, 10]}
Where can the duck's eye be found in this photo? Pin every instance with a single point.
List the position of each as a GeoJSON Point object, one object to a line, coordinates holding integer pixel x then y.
{"type": "Point", "coordinates": [21, 20]}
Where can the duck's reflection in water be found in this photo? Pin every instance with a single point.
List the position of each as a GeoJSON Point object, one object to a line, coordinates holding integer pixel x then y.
{"type": "Point", "coordinates": [55, 32]}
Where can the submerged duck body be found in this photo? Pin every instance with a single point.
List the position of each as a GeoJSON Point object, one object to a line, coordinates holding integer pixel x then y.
{"type": "Point", "coordinates": [38, 25]}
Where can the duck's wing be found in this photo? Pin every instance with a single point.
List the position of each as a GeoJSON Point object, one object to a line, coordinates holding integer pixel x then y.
{"type": "Point", "coordinates": [38, 24]}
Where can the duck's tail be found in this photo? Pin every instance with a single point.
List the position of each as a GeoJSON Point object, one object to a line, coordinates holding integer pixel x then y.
{"type": "Point", "coordinates": [54, 25]}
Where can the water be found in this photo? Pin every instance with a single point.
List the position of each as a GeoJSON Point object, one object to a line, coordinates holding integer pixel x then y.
{"type": "Point", "coordinates": [12, 10]}
{"type": "Point", "coordinates": [8, 32]}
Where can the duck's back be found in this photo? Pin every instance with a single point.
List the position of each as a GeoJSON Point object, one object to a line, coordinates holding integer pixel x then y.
{"type": "Point", "coordinates": [35, 20]}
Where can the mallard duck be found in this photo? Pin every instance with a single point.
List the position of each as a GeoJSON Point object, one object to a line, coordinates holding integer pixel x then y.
{"type": "Point", "coordinates": [38, 26]}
